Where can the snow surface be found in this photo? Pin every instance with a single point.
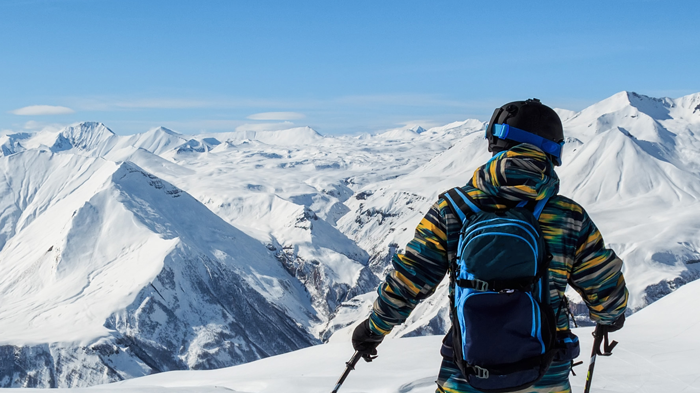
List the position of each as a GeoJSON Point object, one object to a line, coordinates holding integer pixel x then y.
{"type": "Point", "coordinates": [160, 251]}
{"type": "Point", "coordinates": [656, 352]}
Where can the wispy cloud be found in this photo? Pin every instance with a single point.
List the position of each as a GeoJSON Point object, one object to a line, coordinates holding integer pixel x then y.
{"type": "Point", "coordinates": [339, 114]}
{"type": "Point", "coordinates": [33, 126]}
{"type": "Point", "coordinates": [276, 116]}
{"type": "Point", "coordinates": [265, 126]}
{"type": "Point", "coordinates": [42, 110]}
{"type": "Point", "coordinates": [292, 106]}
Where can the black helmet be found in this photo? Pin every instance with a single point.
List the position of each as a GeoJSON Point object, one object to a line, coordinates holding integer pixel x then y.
{"type": "Point", "coordinates": [526, 122]}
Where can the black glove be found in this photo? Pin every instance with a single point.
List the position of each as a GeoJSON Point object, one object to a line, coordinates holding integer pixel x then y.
{"type": "Point", "coordinates": [615, 326]}
{"type": "Point", "coordinates": [365, 341]}
{"type": "Point", "coordinates": [601, 336]}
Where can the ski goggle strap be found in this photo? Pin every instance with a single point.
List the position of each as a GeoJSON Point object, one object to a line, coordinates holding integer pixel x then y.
{"type": "Point", "coordinates": [504, 131]}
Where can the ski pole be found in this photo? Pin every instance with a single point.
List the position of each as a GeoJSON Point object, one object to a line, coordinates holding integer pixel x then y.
{"type": "Point", "coordinates": [350, 366]}
{"type": "Point", "coordinates": [600, 335]}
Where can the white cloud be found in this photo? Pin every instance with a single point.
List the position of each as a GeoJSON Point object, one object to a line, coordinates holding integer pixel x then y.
{"type": "Point", "coordinates": [34, 126]}
{"type": "Point", "coordinates": [276, 116]}
{"type": "Point", "coordinates": [41, 110]}
{"type": "Point", "coordinates": [265, 126]}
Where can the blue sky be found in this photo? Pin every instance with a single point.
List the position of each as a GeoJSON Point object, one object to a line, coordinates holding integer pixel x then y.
{"type": "Point", "coordinates": [337, 66]}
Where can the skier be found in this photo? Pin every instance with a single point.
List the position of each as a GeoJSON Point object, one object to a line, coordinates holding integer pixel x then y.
{"type": "Point", "coordinates": [521, 172]}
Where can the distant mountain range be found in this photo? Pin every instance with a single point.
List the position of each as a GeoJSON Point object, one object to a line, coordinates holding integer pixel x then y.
{"type": "Point", "coordinates": [124, 256]}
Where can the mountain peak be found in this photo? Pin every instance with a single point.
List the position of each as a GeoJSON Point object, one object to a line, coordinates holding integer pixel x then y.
{"type": "Point", "coordinates": [405, 132]}
{"type": "Point", "coordinates": [622, 99]}
{"type": "Point", "coordinates": [629, 103]}
{"type": "Point", "coordinates": [638, 100]}
{"type": "Point", "coordinates": [290, 136]}
{"type": "Point", "coordinates": [691, 101]}
{"type": "Point", "coordinates": [163, 130]}
{"type": "Point", "coordinates": [84, 136]}
{"type": "Point", "coordinates": [88, 126]}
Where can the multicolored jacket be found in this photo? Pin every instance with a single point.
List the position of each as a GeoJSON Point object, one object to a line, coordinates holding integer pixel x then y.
{"type": "Point", "coordinates": [522, 173]}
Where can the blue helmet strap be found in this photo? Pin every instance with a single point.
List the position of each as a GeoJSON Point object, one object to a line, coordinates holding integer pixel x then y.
{"type": "Point", "coordinates": [504, 131]}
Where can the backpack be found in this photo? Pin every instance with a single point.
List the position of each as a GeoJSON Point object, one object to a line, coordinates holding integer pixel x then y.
{"type": "Point", "coordinates": [503, 327]}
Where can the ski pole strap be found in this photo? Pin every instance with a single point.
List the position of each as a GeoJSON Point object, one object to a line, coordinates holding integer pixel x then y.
{"type": "Point", "coordinates": [601, 337]}
{"type": "Point", "coordinates": [574, 365]}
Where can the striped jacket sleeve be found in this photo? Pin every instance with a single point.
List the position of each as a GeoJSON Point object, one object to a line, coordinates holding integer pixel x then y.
{"type": "Point", "coordinates": [415, 275]}
{"type": "Point", "coordinates": [597, 276]}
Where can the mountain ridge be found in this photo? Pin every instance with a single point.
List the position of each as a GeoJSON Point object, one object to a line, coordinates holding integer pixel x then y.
{"type": "Point", "coordinates": [238, 227]}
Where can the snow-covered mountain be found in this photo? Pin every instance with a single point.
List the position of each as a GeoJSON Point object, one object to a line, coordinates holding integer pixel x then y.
{"type": "Point", "coordinates": [129, 255]}
{"type": "Point", "coordinates": [111, 273]}
{"type": "Point", "coordinates": [630, 160]}
{"type": "Point", "coordinates": [656, 352]}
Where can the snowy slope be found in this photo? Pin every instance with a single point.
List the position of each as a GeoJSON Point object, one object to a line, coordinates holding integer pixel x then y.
{"type": "Point", "coordinates": [630, 160]}
{"type": "Point", "coordinates": [113, 273]}
{"type": "Point", "coordinates": [157, 141]}
{"type": "Point", "coordinates": [656, 352]}
{"type": "Point", "coordinates": [128, 275]}
{"type": "Point", "coordinates": [636, 175]}
{"type": "Point", "coordinates": [128, 255]}
{"type": "Point", "coordinates": [87, 137]}
{"type": "Point", "coordinates": [384, 214]}
{"type": "Point", "coordinates": [290, 196]}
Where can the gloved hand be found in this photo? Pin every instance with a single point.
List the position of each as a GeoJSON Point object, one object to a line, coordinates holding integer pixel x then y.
{"type": "Point", "coordinates": [601, 336]}
{"type": "Point", "coordinates": [365, 341]}
{"type": "Point", "coordinates": [615, 326]}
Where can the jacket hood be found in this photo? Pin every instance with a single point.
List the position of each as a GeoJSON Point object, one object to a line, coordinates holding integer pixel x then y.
{"type": "Point", "coordinates": [521, 173]}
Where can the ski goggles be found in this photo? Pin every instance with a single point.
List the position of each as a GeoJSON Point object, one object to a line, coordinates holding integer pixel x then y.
{"type": "Point", "coordinates": [505, 131]}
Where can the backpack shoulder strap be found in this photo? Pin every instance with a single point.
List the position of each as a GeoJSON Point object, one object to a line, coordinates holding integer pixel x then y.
{"type": "Point", "coordinates": [539, 207]}
{"type": "Point", "coordinates": [460, 203]}
{"type": "Point", "coordinates": [460, 206]}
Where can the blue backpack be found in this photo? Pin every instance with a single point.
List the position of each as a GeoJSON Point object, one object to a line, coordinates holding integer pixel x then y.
{"type": "Point", "coordinates": [503, 327]}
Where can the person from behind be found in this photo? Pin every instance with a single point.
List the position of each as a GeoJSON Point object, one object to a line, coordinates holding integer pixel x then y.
{"type": "Point", "coordinates": [511, 245]}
